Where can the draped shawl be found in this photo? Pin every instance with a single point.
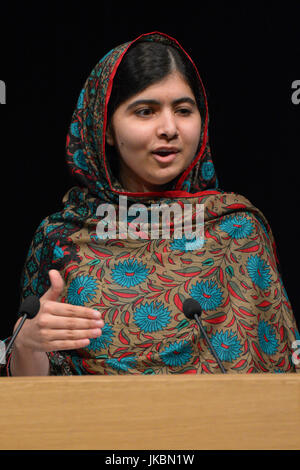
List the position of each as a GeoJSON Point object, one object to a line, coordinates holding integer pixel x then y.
{"type": "Point", "coordinates": [139, 285]}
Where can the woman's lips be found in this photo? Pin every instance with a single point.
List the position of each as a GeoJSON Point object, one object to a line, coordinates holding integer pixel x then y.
{"type": "Point", "coordinates": [165, 158]}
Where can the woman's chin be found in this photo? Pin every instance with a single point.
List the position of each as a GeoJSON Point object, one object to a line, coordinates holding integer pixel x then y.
{"type": "Point", "coordinates": [163, 178]}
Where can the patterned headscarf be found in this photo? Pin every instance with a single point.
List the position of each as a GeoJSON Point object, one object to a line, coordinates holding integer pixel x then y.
{"type": "Point", "coordinates": [86, 154]}
{"type": "Point", "coordinates": [139, 285]}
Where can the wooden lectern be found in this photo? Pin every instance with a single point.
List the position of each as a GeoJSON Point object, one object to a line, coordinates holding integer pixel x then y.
{"type": "Point", "coordinates": [260, 411]}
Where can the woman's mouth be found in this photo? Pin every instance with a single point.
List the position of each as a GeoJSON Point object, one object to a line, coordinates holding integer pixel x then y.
{"type": "Point", "coordinates": [165, 155]}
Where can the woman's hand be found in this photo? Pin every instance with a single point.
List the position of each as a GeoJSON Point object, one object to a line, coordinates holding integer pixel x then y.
{"type": "Point", "coordinates": [58, 326]}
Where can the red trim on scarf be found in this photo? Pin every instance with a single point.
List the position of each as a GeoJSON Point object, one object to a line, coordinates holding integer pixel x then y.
{"type": "Point", "coordinates": [109, 88]}
{"type": "Point", "coordinates": [177, 191]}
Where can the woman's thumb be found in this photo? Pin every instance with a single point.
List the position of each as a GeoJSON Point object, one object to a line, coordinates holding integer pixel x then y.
{"type": "Point", "coordinates": [57, 285]}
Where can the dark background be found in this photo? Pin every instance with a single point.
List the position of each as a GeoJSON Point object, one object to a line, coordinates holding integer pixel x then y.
{"type": "Point", "coordinates": [247, 55]}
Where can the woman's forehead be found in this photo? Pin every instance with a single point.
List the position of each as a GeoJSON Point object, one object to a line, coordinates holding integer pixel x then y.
{"type": "Point", "coordinates": [171, 88]}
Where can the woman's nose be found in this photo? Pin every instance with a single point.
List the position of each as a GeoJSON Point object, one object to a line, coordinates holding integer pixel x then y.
{"type": "Point", "coordinates": [167, 126]}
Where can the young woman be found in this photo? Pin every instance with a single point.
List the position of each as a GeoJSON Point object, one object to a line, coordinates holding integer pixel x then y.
{"type": "Point", "coordinates": [114, 305]}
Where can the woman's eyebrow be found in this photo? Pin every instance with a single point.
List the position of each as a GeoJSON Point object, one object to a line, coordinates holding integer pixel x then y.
{"type": "Point", "coordinates": [184, 99]}
{"type": "Point", "coordinates": [143, 101]}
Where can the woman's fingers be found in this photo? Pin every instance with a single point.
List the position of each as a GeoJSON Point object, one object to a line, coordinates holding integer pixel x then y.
{"type": "Point", "coordinates": [65, 326]}
{"type": "Point", "coordinates": [63, 345]}
{"type": "Point", "coordinates": [69, 310]}
{"type": "Point", "coordinates": [59, 325]}
{"type": "Point", "coordinates": [69, 335]}
{"type": "Point", "coordinates": [50, 321]}
{"type": "Point", "coordinates": [56, 286]}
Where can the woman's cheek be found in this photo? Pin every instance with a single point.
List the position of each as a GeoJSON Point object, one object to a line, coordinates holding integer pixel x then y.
{"type": "Point", "coordinates": [192, 138]}
{"type": "Point", "coordinates": [134, 139]}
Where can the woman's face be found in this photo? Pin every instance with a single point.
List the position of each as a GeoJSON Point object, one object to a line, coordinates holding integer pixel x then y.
{"type": "Point", "coordinates": [156, 133]}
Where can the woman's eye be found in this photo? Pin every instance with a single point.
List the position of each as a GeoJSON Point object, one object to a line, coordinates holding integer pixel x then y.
{"type": "Point", "coordinates": [144, 112]}
{"type": "Point", "coordinates": [184, 111]}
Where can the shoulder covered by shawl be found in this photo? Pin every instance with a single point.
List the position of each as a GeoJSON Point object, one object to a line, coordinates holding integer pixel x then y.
{"type": "Point", "coordinates": [235, 277]}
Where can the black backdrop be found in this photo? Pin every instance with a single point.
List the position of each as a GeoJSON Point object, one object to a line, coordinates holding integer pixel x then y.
{"type": "Point", "coordinates": [247, 56]}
